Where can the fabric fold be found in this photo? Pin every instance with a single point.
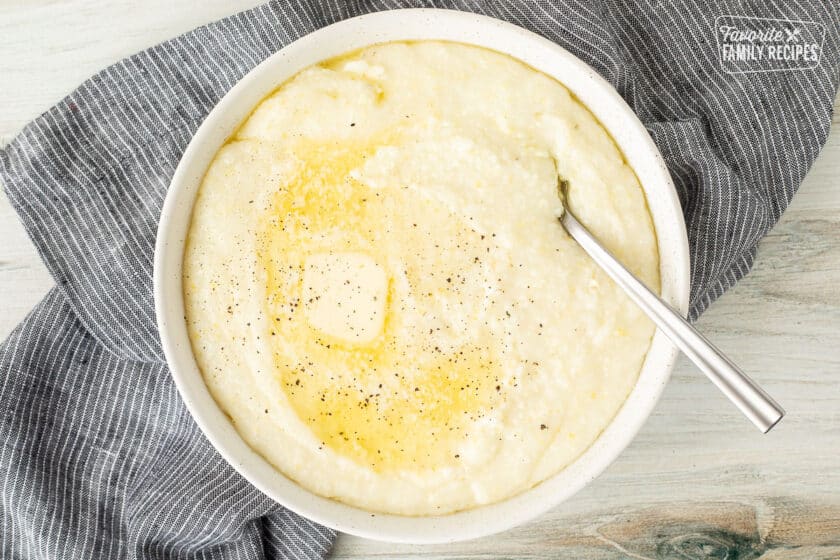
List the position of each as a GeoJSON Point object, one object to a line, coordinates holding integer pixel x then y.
{"type": "Point", "coordinates": [99, 458]}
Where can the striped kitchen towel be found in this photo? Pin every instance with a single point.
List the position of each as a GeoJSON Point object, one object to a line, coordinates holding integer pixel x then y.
{"type": "Point", "coordinates": [98, 456]}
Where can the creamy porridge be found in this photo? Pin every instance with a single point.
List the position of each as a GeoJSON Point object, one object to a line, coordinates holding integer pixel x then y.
{"type": "Point", "coordinates": [379, 294]}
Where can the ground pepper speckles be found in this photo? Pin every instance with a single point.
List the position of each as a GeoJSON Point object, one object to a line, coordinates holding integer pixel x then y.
{"type": "Point", "coordinates": [361, 399]}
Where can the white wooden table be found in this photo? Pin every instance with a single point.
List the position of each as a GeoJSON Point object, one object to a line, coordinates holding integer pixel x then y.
{"type": "Point", "coordinates": [697, 477]}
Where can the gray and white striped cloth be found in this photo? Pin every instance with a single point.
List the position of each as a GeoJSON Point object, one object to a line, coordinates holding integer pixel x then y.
{"type": "Point", "coordinates": [98, 456]}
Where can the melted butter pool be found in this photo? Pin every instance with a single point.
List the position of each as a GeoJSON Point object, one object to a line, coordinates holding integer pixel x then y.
{"type": "Point", "coordinates": [404, 398]}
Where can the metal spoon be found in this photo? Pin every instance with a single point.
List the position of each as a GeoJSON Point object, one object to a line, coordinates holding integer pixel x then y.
{"type": "Point", "coordinates": [757, 405]}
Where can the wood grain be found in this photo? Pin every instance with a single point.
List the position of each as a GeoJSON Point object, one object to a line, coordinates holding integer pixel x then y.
{"type": "Point", "coordinates": [732, 529]}
{"type": "Point", "coordinates": [698, 481]}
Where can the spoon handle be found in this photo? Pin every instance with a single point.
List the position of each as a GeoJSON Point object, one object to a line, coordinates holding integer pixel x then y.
{"type": "Point", "coordinates": [756, 405]}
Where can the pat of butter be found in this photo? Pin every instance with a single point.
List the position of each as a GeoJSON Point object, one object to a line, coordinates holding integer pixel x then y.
{"type": "Point", "coordinates": [344, 295]}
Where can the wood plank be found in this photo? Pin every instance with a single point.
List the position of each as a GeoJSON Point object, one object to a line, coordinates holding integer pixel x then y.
{"type": "Point", "coordinates": [743, 529]}
{"type": "Point", "coordinates": [48, 48]}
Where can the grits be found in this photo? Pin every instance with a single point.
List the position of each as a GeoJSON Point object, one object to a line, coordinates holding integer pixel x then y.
{"type": "Point", "coordinates": [378, 292]}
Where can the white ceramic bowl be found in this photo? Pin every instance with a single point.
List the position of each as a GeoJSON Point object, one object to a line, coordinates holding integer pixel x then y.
{"type": "Point", "coordinates": [339, 38]}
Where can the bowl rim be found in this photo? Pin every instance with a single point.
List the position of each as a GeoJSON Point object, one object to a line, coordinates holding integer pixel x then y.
{"type": "Point", "coordinates": [419, 24]}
